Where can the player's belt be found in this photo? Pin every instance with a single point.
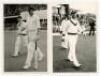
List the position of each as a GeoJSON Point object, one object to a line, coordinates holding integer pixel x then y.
{"type": "Point", "coordinates": [72, 33]}
{"type": "Point", "coordinates": [23, 34]}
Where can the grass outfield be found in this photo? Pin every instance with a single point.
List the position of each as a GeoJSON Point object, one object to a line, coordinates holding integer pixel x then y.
{"type": "Point", "coordinates": [86, 53]}
{"type": "Point", "coordinates": [16, 64]}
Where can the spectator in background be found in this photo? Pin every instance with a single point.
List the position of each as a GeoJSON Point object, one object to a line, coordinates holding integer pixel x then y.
{"type": "Point", "coordinates": [92, 28]}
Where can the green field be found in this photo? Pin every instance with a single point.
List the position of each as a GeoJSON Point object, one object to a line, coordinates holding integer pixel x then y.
{"type": "Point", "coordinates": [16, 64]}
{"type": "Point", "coordinates": [86, 53]}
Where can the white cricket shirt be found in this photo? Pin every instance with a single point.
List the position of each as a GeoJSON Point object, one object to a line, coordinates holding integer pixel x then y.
{"type": "Point", "coordinates": [33, 22]}
{"type": "Point", "coordinates": [69, 27]}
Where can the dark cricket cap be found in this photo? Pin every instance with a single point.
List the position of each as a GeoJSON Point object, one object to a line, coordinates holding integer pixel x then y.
{"type": "Point", "coordinates": [73, 13]}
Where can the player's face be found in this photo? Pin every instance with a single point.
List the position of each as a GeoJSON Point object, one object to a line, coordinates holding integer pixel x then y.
{"type": "Point", "coordinates": [31, 12]}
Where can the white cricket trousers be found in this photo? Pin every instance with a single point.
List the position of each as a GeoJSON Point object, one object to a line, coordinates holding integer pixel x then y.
{"type": "Point", "coordinates": [21, 39]}
{"type": "Point", "coordinates": [72, 41]}
{"type": "Point", "coordinates": [31, 48]}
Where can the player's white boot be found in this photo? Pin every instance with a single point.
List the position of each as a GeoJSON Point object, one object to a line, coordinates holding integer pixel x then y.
{"type": "Point", "coordinates": [15, 54]}
{"type": "Point", "coordinates": [26, 66]}
{"type": "Point", "coordinates": [76, 64]}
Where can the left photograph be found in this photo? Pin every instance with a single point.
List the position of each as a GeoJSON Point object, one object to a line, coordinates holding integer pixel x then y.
{"type": "Point", "coordinates": [25, 37]}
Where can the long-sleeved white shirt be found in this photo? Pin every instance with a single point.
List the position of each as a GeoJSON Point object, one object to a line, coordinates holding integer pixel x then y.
{"type": "Point", "coordinates": [69, 27]}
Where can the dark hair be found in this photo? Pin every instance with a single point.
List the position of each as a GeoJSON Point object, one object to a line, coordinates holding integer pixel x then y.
{"type": "Point", "coordinates": [31, 8]}
{"type": "Point", "coordinates": [19, 17]}
{"type": "Point", "coordinates": [63, 18]}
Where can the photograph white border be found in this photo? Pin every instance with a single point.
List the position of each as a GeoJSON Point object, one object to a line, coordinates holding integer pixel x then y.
{"type": "Point", "coordinates": [49, 41]}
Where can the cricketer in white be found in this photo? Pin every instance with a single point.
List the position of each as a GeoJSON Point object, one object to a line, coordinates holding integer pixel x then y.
{"type": "Point", "coordinates": [71, 29]}
{"type": "Point", "coordinates": [32, 25]}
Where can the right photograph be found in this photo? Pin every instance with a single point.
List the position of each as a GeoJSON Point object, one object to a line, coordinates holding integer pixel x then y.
{"type": "Point", "coordinates": [74, 37]}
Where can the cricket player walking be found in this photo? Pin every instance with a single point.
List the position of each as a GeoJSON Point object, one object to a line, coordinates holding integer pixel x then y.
{"type": "Point", "coordinates": [73, 29]}
{"type": "Point", "coordinates": [28, 34]}
{"type": "Point", "coordinates": [33, 25]}
{"type": "Point", "coordinates": [21, 36]}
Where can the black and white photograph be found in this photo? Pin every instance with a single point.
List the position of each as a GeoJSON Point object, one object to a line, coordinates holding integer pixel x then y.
{"type": "Point", "coordinates": [74, 37]}
{"type": "Point", "coordinates": [49, 37]}
{"type": "Point", "coordinates": [25, 37]}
